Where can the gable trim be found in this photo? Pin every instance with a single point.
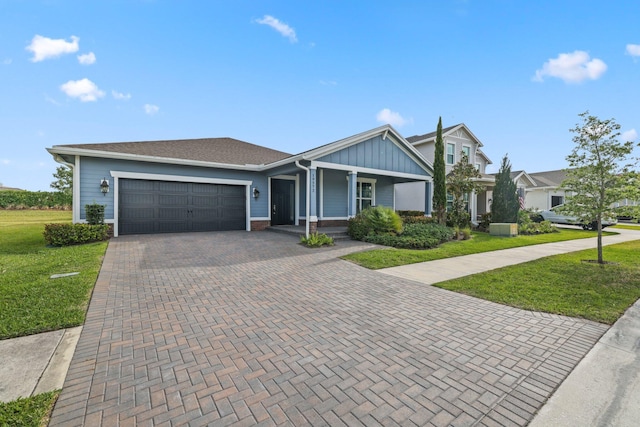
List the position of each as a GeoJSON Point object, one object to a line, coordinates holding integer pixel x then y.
{"type": "Point", "coordinates": [358, 169]}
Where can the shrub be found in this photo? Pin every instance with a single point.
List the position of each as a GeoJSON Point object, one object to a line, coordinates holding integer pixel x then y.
{"type": "Point", "coordinates": [378, 220]}
{"type": "Point", "coordinates": [527, 224]}
{"type": "Point", "coordinates": [316, 240]}
{"type": "Point", "coordinates": [411, 213]}
{"type": "Point", "coordinates": [414, 236]}
{"type": "Point", "coordinates": [95, 213]}
{"type": "Point", "coordinates": [462, 233]}
{"type": "Point", "coordinates": [485, 220]}
{"type": "Point", "coordinates": [417, 220]}
{"type": "Point", "coordinates": [73, 234]}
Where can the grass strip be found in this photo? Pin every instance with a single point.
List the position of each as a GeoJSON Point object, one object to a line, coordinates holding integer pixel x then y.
{"type": "Point", "coordinates": [28, 412]}
{"type": "Point", "coordinates": [480, 242]}
{"type": "Point", "coordinates": [563, 284]}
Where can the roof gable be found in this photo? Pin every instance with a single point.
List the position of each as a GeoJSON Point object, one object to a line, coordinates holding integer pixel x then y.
{"type": "Point", "coordinates": [380, 148]}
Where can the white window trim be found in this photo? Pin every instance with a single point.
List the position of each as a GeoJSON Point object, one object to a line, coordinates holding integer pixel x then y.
{"type": "Point", "coordinates": [470, 148]}
{"type": "Point", "coordinates": [446, 153]}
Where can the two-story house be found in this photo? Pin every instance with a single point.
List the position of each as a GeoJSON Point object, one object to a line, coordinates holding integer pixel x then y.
{"type": "Point", "coordinates": [458, 140]}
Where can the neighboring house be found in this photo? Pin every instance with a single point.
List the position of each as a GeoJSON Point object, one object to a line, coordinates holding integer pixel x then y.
{"type": "Point", "coordinates": [545, 192]}
{"type": "Point", "coordinates": [225, 184]}
{"type": "Point", "coordinates": [457, 139]}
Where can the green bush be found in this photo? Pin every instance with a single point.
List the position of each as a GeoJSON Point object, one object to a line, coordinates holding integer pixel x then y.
{"type": "Point", "coordinates": [528, 224]}
{"type": "Point", "coordinates": [95, 213]}
{"type": "Point", "coordinates": [417, 220]}
{"type": "Point", "coordinates": [411, 213]}
{"type": "Point", "coordinates": [377, 220]}
{"type": "Point", "coordinates": [14, 199]}
{"type": "Point", "coordinates": [414, 236]}
{"type": "Point", "coordinates": [73, 234]}
{"type": "Point", "coordinates": [316, 240]}
{"type": "Point", "coordinates": [485, 220]}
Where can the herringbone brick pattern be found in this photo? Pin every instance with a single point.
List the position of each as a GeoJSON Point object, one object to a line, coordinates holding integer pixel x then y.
{"type": "Point", "coordinates": [236, 328]}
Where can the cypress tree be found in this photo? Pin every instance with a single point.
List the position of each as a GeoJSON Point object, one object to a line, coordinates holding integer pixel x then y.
{"type": "Point", "coordinates": [439, 185]}
{"type": "Point", "coordinates": [505, 204]}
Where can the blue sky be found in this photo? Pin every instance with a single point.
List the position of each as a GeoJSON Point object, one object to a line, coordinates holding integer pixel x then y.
{"type": "Point", "coordinates": [294, 75]}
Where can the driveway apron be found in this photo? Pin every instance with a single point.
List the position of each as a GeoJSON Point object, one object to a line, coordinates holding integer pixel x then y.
{"type": "Point", "coordinates": [237, 328]}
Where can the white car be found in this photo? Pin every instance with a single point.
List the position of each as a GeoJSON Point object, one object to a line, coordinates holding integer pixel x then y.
{"type": "Point", "coordinates": [553, 215]}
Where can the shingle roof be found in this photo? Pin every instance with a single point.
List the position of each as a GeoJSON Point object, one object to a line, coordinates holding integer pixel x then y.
{"type": "Point", "coordinates": [549, 178]}
{"type": "Point", "coordinates": [429, 135]}
{"type": "Point", "coordinates": [215, 150]}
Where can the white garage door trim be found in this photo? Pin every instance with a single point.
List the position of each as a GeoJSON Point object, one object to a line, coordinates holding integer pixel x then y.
{"type": "Point", "coordinates": [177, 178]}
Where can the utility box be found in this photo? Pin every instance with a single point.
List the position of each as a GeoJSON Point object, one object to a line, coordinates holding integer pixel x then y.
{"type": "Point", "coordinates": [505, 229]}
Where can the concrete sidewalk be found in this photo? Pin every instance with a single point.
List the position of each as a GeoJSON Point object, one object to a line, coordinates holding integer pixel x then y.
{"type": "Point", "coordinates": [36, 363]}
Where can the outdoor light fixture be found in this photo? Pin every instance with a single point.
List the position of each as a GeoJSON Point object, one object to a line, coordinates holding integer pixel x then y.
{"type": "Point", "coordinates": [104, 186]}
{"type": "Point", "coordinates": [256, 193]}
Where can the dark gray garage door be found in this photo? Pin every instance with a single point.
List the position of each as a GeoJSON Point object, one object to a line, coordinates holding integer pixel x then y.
{"type": "Point", "coordinates": [174, 207]}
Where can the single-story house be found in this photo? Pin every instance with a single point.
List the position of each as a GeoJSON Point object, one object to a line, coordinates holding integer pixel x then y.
{"type": "Point", "coordinates": [225, 184]}
{"type": "Point", "coordinates": [458, 140]}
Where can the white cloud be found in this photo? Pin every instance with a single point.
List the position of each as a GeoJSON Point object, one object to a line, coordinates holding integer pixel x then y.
{"type": "Point", "coordinates": [7, 61]}
{"type": "Point", "coordinates": [281, 27]}
{"type": "Point", "coordinates": [328, 82]}
{"type": "Point", "coordinates": [151, 109]}
{"type": "Point", "coordinates": [572, 68]}
{"type": "Point", "coordinates": [633, 49]}
{"type": "Point", "coordinates": [630, 135]}
{"type": "Point", "coordinates": [87, 58]}
{"type": "Point", "coordinates": [5, 161]}
{"type": "Point", "coordinates": [121, 96]}
{"type": "Point", "coordinates": [45, 48]}
{"type": "Point", "coordinates": [391, 117]}
{"type": "Point", "coordinates": [84, 89]}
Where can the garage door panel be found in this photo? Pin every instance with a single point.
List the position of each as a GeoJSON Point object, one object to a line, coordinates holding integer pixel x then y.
{"type": "Point", "coordinates": [173, 207]}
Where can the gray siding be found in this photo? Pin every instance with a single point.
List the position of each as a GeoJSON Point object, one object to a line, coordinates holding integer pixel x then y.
{"type": "Point", "coordinates": [92, 170]}
{"type": "Point", "coordinates": [375, 153]}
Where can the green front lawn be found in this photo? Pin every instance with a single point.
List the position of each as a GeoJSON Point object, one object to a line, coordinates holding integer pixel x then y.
{"type": "Point", "coordinates": [30, 301]}
{"type": "Point", "coordinates": [481, 242]}
{"type": "Point", "coordinates": [563, 284]}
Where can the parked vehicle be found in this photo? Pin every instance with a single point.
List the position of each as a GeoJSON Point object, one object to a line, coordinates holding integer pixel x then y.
{"type": "Point", "coordinates": [556, 216]}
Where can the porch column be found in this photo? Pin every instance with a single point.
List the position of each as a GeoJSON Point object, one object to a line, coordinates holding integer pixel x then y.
{"type": "Point", "coordinates": [313, 200]}
{"type": "Point", "coordinates": [353, 188]}
{"type": "Point", "coordinates": [427, 198]}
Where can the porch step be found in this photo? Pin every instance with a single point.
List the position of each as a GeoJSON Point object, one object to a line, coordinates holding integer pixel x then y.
{"type": "Point", "coordinates": [337, 233]}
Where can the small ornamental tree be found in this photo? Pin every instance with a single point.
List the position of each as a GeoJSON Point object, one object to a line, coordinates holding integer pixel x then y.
{"type": "Point", "coordinates": [599, 172]}
{"type": "Point", "coordinates": [64, 180]}
{"type": "Point", "coordinates": [460, 181]}
{"type": "Point", "coordinates": [505, 204]}
{"type": "Point", "coordinates": [439, 179]}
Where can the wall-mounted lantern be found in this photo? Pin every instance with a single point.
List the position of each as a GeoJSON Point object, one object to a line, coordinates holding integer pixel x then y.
{"type": "Point", "coordinates": [104, 186]}
{"type": "Point", "coordinates": [256, 193]}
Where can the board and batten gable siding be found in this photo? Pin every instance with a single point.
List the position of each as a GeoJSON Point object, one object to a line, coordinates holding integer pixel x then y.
{"type": "Point", "coordinates": [375, 153]}
{"type": "Point", "coordinates": [93, 169]}
{"type": "Point", "coordinates": [335, 194]}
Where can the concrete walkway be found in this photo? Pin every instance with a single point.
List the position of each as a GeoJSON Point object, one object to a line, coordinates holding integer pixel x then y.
{"type": "Point", "coordinates": [36, 363]}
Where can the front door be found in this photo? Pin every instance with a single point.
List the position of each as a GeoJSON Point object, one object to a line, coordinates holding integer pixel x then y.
{"type": "Point", "coordinates": [282, 202]}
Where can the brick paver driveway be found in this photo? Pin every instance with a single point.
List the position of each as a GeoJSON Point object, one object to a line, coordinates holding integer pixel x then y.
{"type": "Point", "coordinates": [236, 328]}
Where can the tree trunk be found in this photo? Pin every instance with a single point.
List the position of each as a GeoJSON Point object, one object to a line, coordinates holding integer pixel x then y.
{"type": "Point", "coordinates": [600, 259]}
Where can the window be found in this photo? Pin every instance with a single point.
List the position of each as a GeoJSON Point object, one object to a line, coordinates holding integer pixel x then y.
{"type": "Point", "coordinates": [451, 154]}
{"type": "Point", "coordinates": [365, 194]}
{"type": "Point", "coordinates": [449, 202]}
{"type": "Point", "coordinates": [556, 200]}
{"type": "Point", "coordinates": [478, 167]}
{"type": "Point", "coordinates": [466, 150]}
